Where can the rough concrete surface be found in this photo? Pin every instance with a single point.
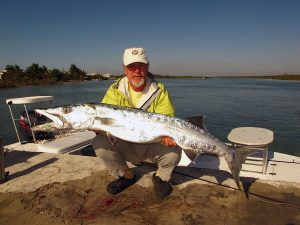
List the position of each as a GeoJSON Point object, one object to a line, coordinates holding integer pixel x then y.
{"type": "Point", "coordinates": [71, 189]}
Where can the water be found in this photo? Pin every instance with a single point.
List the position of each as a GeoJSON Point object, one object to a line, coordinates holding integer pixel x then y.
{"type": "Point", "coordinates": [226, 103]}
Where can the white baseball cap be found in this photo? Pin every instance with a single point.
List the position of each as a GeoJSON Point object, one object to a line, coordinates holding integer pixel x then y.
{"type": "Point", "coordinates": [132, 55]}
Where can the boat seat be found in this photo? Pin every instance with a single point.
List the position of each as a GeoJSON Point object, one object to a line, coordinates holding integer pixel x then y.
{"type": "Point", "coordinates": [254, 138]}
{"type": "Point", "coordinates": [69, 143]}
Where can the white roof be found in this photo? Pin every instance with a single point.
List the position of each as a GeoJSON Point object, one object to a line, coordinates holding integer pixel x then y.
{"type": "Point", "coordinates": [30, 99]}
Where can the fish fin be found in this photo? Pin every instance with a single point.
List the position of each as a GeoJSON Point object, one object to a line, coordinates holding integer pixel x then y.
{"type": "Point", "coordinates": [105, 121]}
{"type": "Point", "coordinates": [241, 156]}
{"type": "Point", "coordinates": [112, 139]}
{"type": "Point", "coordinates": [197, 121]}
{"type": "Point", "coordinates": [91, 104]}
{"type": "Point", "coordinates": [243, 153]}
{"type": "Point", "coordinates": [191, 154]}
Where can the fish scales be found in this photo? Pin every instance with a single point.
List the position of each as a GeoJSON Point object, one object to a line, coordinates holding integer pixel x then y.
{"type": "Point", "coordinates": [184, 133]}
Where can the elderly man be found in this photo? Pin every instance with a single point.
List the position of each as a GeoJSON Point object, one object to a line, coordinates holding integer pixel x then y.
{"type": "Point", "coordinates": [138, 89]}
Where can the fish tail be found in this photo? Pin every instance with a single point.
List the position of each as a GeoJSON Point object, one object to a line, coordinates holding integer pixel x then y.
{"type": "Point", "coordinates": [235, 166]}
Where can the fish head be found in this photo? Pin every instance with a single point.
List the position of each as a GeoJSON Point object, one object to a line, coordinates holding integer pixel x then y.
{"type": "Point", "coordinates": [71, 117]}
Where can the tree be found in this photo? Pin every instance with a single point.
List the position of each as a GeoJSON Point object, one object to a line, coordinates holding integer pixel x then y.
{"type": "Point", "coordinates": [57, 75]}
{"type": "Point", "coordinates": [13, 68]}
{"type": "Point", "coordinates": [35, 71]}
{"type": "Point", "coordinates": [75, 73]}
{"type": "Point", "coordinates": [13, 76]}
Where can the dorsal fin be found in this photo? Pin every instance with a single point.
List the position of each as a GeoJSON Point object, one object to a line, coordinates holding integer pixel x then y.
{"type": "Point", "coordinates": [197, 121]}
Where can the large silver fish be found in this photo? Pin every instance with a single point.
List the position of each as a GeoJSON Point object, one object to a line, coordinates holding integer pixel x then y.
{"type": "Point", "coordinates": [138, 126]}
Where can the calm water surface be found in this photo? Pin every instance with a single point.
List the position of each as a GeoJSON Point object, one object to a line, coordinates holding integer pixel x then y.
{"type": "Point", "coordinates": [226, 103]}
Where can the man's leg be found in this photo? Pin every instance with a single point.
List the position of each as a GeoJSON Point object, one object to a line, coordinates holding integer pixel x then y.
{"type": "Point", "coordinates": [114, 162]}
{"type": "Point", "coordinates": [114, 158]}
{"type": "Point", "coordinates": [167, 159]}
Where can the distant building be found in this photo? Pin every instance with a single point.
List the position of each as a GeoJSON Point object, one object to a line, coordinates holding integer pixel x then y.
{"type": "Point", "coordinates": [107, 75]}
{"type": "Point", "coordinates": [91, 74]}
{"type": "Point", "coordinates": [2, 72]}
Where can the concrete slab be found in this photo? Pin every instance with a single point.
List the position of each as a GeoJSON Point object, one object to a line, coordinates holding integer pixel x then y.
{"type": "Point", "coordinates": [29, 171]}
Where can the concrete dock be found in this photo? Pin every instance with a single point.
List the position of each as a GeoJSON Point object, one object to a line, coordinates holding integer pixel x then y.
{"type": "Point", "coordinates": [47, 188]}
{"type": "Point", "coordinates": [29, 171]}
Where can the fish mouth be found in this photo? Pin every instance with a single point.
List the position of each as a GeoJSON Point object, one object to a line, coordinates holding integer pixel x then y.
{"type": "Point", "coordinates": [58, 123]}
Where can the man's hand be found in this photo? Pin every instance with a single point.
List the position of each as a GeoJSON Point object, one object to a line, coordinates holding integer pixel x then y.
{"type": "Point", "coordinates": [167, 141]}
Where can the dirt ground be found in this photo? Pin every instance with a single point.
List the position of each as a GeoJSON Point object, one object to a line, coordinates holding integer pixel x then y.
{"type": "Point", "coordinates": [86, 201]}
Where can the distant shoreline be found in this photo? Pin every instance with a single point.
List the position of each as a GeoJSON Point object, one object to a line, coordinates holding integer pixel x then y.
{"type": "Point", "coordinates": [272, 77]}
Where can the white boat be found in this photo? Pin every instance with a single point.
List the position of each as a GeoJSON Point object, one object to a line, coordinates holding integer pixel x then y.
{"type": "Point", "coordinates": [264, 165]}
{"type": "Point", "coordinates": [281, 168]}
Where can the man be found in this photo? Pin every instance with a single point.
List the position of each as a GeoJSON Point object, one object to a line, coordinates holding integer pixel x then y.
{"type": "Point", "coordinates": [138, 89]}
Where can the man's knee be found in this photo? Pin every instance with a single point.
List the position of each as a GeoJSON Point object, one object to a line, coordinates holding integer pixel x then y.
{"type": "Point", "coordinates": [101, 146]}
{"type": "Point", "coordinates": [167, 163]}
{"type": "Point", "coordinates": [172, 157]}
{"type": "Point", "coordinates": [100, 141]}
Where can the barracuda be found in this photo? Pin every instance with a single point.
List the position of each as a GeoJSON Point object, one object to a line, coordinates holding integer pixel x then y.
{"type": "Point", "coordinates": [138, 126]}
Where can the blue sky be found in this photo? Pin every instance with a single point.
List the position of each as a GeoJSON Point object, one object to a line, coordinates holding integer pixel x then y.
{"type": "Point", "coordinates": [190, 37]}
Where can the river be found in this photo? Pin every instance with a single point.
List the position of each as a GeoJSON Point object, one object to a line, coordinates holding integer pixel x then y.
{"type": "Point", "coordinates": [226, 103]}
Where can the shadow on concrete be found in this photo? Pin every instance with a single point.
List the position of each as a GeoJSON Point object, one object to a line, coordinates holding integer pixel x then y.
{"type": "Point", "coordinates": [88, 151]}
{"type": "Point", "coordinates": [206, 175]}
{"type": "Point", "coordinates": [15, 157]}
{"type": "Point", "coordinates": [31, 169]}
{"type": "Point", "coordinates": [183, 175]}
{"type": "Point", "coordinates": [247, 182]}
{"type": "Point", "coordinates": [205, 160]}
{"type": "Point", "coordinates": [144, 168]}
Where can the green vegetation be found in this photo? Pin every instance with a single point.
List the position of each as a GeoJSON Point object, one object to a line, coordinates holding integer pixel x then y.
{"type": "Point", "coordinates": [41, 75]}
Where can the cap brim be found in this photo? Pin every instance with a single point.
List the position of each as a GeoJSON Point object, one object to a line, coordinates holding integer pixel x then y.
{"type": "Point", "coordinates": [135, 61]}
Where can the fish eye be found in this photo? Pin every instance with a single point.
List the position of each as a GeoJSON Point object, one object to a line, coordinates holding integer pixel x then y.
{"type": "Point", "coordinates": [66, 110]}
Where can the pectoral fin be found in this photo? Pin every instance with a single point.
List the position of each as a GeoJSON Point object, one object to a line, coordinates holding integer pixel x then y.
{"type": "Point", "coordinates": [105, 121]}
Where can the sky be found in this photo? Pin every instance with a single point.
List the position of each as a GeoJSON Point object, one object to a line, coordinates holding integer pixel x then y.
{"type": "Point", "coordinates": [181, 37]}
